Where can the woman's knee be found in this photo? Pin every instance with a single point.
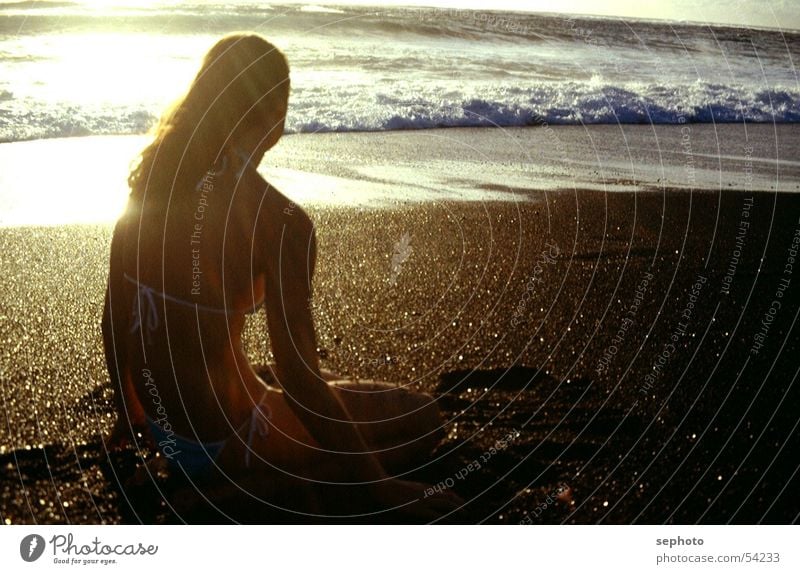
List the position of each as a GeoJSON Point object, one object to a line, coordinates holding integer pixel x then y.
{"type": "Point", "coordinates": [377, 402]}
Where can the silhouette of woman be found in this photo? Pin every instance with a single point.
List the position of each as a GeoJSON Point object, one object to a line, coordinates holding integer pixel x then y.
{"type": "Point", "coordinates": [204, 241]}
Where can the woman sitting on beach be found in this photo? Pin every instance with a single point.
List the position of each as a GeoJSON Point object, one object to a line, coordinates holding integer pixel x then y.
{"type": "Point", "coordinates": [203, 242]}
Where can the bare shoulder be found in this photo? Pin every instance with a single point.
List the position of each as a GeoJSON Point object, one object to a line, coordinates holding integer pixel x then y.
{"type": "Point", "coordinates": [284, 230]}
{"type": "Point", "coordinates": [284, 216]}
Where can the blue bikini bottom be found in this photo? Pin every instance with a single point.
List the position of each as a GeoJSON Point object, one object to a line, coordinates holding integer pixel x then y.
{"type": "Point", "coordinates": [197, 459]}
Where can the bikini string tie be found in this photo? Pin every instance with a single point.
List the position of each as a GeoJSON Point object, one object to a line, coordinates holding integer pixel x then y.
{"type": "Point", "coordinates": [260, 417]}
{"type": "Point", "coordinates": [146, 298]}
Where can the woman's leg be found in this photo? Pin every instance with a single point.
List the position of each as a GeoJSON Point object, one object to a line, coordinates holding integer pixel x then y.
{"type": "Point", "coordinates": [401, 428]}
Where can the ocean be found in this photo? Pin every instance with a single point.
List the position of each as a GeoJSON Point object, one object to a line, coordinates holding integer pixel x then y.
{"type": "Point", "coordinates": [82, 68]}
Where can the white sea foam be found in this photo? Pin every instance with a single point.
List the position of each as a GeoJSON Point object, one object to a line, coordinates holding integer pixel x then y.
{"type": "Point", "coordinates": [357, 69]}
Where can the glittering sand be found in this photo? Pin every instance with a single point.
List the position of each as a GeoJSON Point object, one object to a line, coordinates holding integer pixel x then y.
{"type": "Point", "coordinates": [615, 357]}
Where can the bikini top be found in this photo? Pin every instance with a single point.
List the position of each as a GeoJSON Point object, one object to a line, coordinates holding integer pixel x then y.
{"type": "Point", "coordinates": [145, 312]}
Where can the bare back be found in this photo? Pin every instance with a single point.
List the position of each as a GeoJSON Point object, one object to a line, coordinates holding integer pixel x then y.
{"type": "Point", "coordinates": [210, 256]}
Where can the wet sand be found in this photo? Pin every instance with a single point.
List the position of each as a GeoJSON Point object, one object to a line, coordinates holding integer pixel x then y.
{"type": "Point", "coordinates": [626, 357]}
{"type": "Point", "coordinates": [709, 438]}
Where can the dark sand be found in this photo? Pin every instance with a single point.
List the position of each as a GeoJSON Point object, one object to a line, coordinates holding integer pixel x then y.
{"type": "Point", "coordinates": [685, 424]}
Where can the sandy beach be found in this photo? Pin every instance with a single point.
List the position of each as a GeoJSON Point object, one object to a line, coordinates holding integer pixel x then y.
{"type": "Point", "coordinates": [609, 342]}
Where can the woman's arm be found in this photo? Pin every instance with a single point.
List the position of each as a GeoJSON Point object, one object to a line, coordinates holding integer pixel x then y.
{"type": "Point", "coordinates": [291, 329]}
{"type": "Point", "coordinates": [290, 270]}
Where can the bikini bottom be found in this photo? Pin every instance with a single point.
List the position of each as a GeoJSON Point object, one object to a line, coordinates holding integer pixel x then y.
{"type": "Point", "coordinates": [197, 459]}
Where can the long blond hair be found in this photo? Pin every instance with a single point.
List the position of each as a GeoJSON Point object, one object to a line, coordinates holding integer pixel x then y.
{"type": "Point", "coordinates": [242, 80]}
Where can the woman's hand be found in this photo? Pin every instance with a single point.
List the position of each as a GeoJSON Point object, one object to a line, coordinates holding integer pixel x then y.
{"type": "Point", "coordinates": [123, 433]}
